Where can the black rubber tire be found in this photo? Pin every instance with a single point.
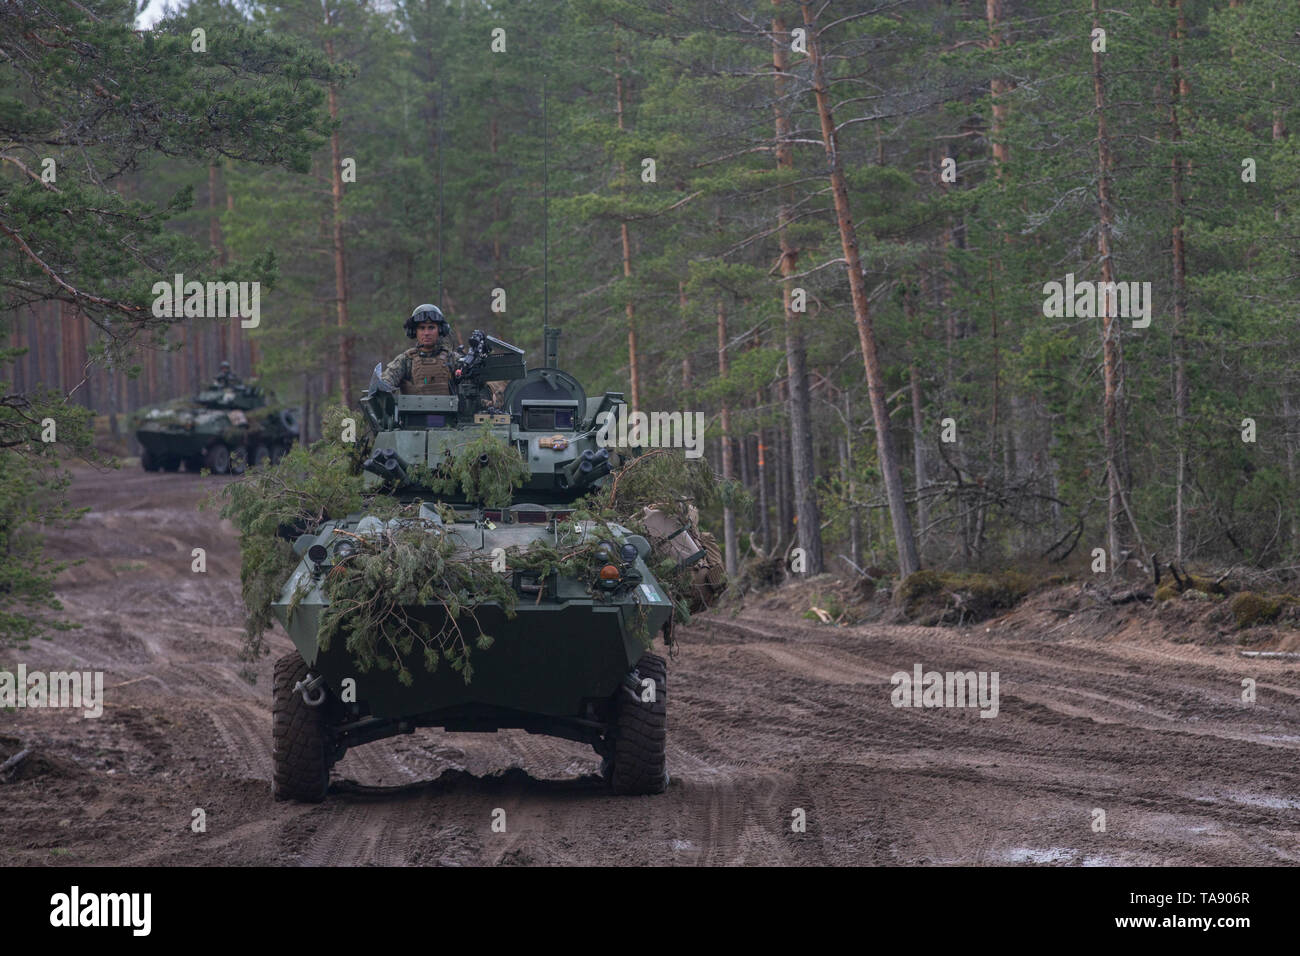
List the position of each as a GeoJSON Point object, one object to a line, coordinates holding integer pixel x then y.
{"type": "Point", "coordinates": [217, 459]}
{"type": "Point", "coordinates": [147, 461]}
{"type": "Point", "coordinates": [238, 460]}
{"type": "Point", "coordinates": [641, 734]}
{"type": "Point", "coordinates": [300, 745]}
{"type": "Point", "coordinates": [278, 451]}
{"type": "Point", "coordinates": [289, 420]}
{"type": "Point", "coordinates": [261, 455]}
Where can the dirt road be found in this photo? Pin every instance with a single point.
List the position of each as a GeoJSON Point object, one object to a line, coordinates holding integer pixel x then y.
{"type": "Point", "coordinates": [768, 715]}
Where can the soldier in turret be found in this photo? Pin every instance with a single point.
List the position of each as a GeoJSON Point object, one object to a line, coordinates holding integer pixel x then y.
{"type": "Point", "coordinates": [425, 369]}
{"type": "Point", "coordinates": [225, 377]}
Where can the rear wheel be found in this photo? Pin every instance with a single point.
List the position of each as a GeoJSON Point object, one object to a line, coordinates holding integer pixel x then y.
{"type": "Point", "coordinates": [147, 460]}
{"type": "Point", "coordinates": [217, 459]}
{"type": "Point", "coordinates": [278, 451]}
{"type": "Point", "coordinates": [300, 745]}
{"type": "Point", "coordinates": [261, 455]}
{"type": "Point", "coordinates": [639, 753]}
{"type": "Point", "coordinates": [238, 460]}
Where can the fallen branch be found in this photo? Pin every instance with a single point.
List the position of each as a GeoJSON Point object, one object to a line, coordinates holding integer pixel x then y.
{"type": "Point", "coordinates": [14, 761]}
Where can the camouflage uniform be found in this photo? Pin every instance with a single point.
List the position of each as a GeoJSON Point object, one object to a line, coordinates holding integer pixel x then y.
{"type": "Point", "coordinates": [416, 372]}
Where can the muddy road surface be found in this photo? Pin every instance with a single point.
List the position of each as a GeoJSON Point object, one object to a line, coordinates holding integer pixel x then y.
{"type": "Point", "coordinates": [772, 720]}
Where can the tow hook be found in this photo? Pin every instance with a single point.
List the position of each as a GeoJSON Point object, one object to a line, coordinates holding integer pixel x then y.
{"type": "Point", "coordinates": [305, 687]}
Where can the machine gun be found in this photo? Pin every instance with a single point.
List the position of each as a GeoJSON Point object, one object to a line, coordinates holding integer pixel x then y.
{"type": "Point", "coordinates": [484, 358]}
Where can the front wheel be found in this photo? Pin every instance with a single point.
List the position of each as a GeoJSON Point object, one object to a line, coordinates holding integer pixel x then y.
{"type": "Point", "coordinates": [217, 459]}
{"type": "Point", "coordinates": [148, 461]}
{"type": "Point", "coordinates": [300, 747]}
{"type": "Point", "coordinates": [639, 753]}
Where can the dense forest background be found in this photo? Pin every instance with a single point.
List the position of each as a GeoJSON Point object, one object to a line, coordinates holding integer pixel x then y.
{"type": "Point", "coordinates": [828, 225]}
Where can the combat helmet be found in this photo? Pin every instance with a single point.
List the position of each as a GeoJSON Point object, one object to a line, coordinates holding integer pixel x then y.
{"type": "Point", "coordinates": [427, 313]}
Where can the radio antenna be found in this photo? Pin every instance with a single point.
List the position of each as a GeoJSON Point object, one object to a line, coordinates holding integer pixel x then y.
{"type": "Point", "coordinates": [546, 218]}
{"type": "Point", "coordinates": [442, 112]}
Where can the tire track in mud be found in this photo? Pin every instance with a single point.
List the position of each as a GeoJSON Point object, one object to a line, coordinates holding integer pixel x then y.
{"type": "Point", "coordinates": [245, 731]}
{"type": "Point", "coordinates": [1109, 696]}
{"type": "Point", "coordinates": [348, 833]}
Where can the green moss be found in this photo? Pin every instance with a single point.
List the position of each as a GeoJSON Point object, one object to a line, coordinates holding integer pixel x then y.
{"type": "Point", "coordinates": [1166, 592]}
{"type": "Point", "coordinates": [944, 597]}
{"type": "Point", "coordinates": [918, 585]}
{"type": "Point", "coordinates": [1208, 585]}
{"type": "Point", "coordinates": [985, 594]}
{"type": "Point", "coordinates": [1249, 608]}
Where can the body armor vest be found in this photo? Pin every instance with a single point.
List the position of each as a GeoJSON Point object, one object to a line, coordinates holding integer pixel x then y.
{"type": "Point", "coordinates": [429, 374]}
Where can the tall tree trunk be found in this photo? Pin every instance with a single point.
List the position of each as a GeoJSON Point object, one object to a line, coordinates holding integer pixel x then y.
{"type": "Point", "coordinates": [62, 355]}
{"type": "Point", "coordinates": [745, 477]}
{"type": "Point", "coordinates": [218, 255]}
{"type": "Point", "coordinates": [198, 355]}
{"type": "Point", "coordinates": [151, 375]}
{"type": "Point", "coordinates": [908, 559]}
{"type": "Point", "coordinates": [37, 330]}
{"type": "Point", "coordinates": [809, 521]}
{"type": "Point", "coordinates": [1288, 437]}
{"type": "Point", "coordinates": [1288, 412]}
{"type": "Point", "coordinates": [855, 518]}
{"type": "Point", "coordinates": [997, 88]}
{"type": "Point", "coordinates": [764, 527]}
{"type": "Point", "coordinates": [918, 459]}
{"type": "Point", "coordinates": [340, 264]}
{"type": "Point", "coordinates": [1109, 325]}
{"type": "Point", "coordinates": [687, 372]}
{"type": "Point", "coordinates": [634, 371]}
{"type": "Point", "coordinates": [784, 499]}
{"type": "Point", "coordinates": [918, 434]}
{"type": "Point", "coordinates": [1178, 90]}
{"type": "Point", "coordinates": [728, 466]}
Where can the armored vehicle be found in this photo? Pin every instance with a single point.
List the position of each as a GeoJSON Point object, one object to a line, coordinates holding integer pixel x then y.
{"type": "Point", "coordinates": [224, 428]}
{"type": "Point", "coordinates": [571, 663]}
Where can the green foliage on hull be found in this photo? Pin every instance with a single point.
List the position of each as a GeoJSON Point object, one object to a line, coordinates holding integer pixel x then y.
{"type": "Point", "coordinates": [304, 489]}
{"type": "Point", "coordinates": [401, 561]}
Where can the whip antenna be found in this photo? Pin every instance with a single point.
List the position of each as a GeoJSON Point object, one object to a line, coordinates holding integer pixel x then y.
{"type": "Point", "coordinates": [546, 218]}
{"type": "Point", "coordinates": [442, 112]}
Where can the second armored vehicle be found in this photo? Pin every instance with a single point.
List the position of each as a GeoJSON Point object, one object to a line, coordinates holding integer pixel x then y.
{"type": "Point", "coordinates": [224, 428]}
